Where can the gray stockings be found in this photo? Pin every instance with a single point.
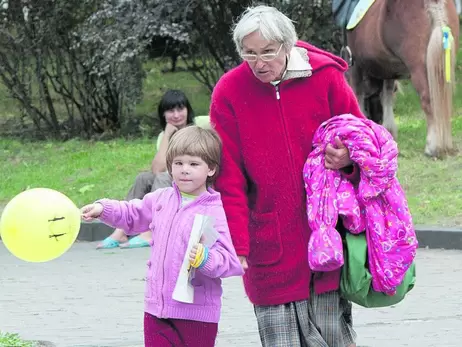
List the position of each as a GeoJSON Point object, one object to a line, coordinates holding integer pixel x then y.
{"type": "Point", "coordinates": [147, 182]}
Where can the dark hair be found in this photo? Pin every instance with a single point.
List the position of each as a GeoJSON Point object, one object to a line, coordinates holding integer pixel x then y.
{"type": "Point", "coordinates": [174, 98]}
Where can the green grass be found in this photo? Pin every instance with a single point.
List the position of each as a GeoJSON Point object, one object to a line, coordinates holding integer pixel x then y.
{"type": "Point", "coordinates": [81, 170]}
{"type": "Point", "coordinates": [433, 188]}
{"type": "Point", "coordinates": [13, 340]}
{"type": "Point", "coordinates": [86, 171]}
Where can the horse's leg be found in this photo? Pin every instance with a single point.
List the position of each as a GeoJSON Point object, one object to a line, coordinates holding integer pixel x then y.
{"type": "Point", "coordinates": [355, 78]}
{"type": "Point", "coordinates": [387, 100]}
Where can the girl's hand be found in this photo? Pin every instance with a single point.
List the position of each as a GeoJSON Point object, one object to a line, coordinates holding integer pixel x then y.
{"type": "Point", "coordinates": [198, 255]}
{"type": "Point", "coordinates": [91, 211]}
{"type": "Point", "coordinates": [192, 254]}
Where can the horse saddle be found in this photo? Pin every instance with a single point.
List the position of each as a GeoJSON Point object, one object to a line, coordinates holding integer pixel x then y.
{"type": "Point", "coordinates": [348, 13]}
{"type": "Point", "coordinates": [358, 13]}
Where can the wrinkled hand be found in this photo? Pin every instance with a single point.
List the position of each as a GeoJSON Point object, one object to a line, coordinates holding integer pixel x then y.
{"type": "Point", "coordinates": [337, 157]}
{"type": "Point", "coordinates": [243, 261]}
{"type": "Point", "coordinates": [91, 211]}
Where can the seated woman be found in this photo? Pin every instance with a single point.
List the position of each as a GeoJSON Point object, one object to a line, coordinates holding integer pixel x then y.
{"type": "Point", "coordinates": [174, 112]}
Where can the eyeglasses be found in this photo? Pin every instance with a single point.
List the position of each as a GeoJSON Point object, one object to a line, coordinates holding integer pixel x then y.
{"type": "Point", "coordinates": [264, 57]}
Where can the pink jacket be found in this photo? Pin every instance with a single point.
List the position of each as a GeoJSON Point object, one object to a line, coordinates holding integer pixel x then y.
{"type": "Point", "coordinates": [377, 205]}
{"type": "Point", "coordinates": [171, 226]}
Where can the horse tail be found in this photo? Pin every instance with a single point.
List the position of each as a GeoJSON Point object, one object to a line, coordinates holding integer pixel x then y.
{"type": "Point", "coordinates": [441, 75]}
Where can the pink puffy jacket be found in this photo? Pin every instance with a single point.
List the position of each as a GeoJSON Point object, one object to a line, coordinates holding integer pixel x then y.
{"type": "Point", "coordinates": [377, 205]}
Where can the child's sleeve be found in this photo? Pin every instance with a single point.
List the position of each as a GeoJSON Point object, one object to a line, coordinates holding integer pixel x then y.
{"type": "Point", "coordinates": [133, 216]}
{"type": "Point", "coordinates": [222, 259]}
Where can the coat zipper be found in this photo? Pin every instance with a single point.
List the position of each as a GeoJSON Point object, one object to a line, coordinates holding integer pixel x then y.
{"type": "Point", "coordinates": [278, 97]}
{"type": "Point", "coordinates": [163, 265]}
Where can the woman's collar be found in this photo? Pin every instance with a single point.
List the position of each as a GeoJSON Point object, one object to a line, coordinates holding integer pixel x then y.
{"type": "Point", "coordinates": [298, 60]}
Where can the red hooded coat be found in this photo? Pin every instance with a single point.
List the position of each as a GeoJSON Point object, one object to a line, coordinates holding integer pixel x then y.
{"type": "Point", "coordinates": [267, 136]}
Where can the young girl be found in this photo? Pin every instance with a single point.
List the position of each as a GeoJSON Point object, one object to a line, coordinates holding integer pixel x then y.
{"type": "Point", "coordinates": [174, 112]}
{"type": "Point", "coordinates": [193, 160]}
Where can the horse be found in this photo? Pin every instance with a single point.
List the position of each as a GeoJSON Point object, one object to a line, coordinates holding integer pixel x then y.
{"type": "Point", "coordinates": [407, 39]}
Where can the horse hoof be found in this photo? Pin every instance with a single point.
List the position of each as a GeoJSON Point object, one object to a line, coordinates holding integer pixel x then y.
{"type": "Point", "coordinates": [432, 154]}
{"type": "Point", "coordinates": [436, 154]}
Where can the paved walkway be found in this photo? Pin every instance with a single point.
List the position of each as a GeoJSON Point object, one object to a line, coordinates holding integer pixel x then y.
{"type": "Point", "coordinates": [94, 298]}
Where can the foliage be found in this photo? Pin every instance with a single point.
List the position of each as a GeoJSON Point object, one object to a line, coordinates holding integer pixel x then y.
{"type": "Point", "coordinates": [75, 58]}
{"type": "Point", "coordinates": [75, 67]}
{"type": "Point", "coordinates": [13, 340]}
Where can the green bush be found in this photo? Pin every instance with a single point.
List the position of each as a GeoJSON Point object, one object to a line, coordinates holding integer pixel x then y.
{"type": "Point", "coordinates": [13, 340]}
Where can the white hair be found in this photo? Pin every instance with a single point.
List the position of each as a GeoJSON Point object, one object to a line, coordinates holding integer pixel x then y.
{"type": "Point", "coordinates": [272, 24]}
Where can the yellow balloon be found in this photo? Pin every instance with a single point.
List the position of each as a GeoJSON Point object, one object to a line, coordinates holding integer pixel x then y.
{"type": "Point", "coordinates": [39, 225]}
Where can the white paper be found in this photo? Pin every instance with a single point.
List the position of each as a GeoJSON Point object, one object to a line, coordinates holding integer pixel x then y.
{"type": "Point", "coordinates": [209, 234]}
{"type": "Point", "coordinates": [202, 231]}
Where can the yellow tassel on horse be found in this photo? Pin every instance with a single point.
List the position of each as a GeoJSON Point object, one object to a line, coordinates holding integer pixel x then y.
{"type": "Point", "coordinates": [447, 43]}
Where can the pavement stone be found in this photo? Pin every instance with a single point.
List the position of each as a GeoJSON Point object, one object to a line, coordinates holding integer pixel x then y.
{"type": "Point", "coordinates": [95, 298]}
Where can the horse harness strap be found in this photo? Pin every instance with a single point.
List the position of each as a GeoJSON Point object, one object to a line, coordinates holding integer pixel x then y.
{"type": "Point", "coordinates": [342, 11]}
{"type": "Point", "coordinates": [345, 52]}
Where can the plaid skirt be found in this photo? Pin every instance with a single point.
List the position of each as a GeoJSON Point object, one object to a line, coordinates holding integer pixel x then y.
{"type": "Point", "coordinates": [322, 321]}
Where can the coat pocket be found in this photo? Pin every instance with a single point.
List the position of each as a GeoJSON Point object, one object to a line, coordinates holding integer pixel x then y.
{"type": "Point", "coordinates": [265, 239]}
{"type": "Point", "coordinates": [199, 291]}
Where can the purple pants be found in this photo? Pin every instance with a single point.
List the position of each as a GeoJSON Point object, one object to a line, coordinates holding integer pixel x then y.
{"type": "Point", "coordinates": [178, 332]}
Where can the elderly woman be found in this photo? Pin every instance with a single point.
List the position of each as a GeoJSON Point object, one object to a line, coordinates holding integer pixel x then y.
{"type": "Point", "coordinates": [266, 111]}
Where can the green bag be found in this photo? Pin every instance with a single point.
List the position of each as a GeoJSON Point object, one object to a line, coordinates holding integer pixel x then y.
{"type": "Point", "coordinates": [356, 280]}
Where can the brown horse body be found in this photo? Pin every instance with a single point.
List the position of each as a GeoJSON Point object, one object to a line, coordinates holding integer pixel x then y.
{"type": "Point", "coordinates": [400, 39]}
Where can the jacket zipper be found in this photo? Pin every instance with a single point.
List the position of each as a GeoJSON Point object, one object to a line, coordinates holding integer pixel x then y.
{"type": "Point", "coordinates": [163, 266]}
{"type": "Point", "coordinates": [278, 97]}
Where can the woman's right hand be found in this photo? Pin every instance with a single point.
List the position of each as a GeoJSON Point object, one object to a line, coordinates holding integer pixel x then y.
{"type": "Point", "coordinates": [91, 211]}
{"type": "Point", "coordinates": [170, 129]}
{"type": "Point", "coordinates": [243, 261]}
